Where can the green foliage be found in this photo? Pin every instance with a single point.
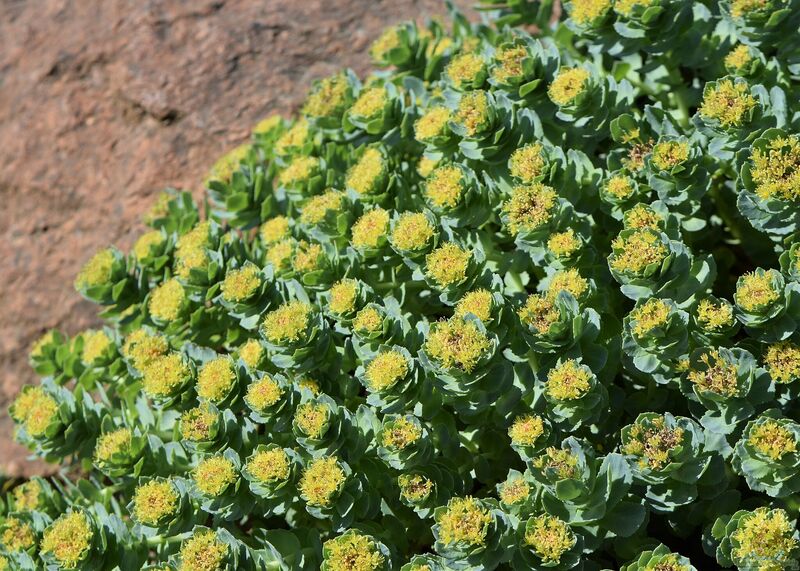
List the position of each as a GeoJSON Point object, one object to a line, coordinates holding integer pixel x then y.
{"type": "Point", "coordinates": [526, 297]}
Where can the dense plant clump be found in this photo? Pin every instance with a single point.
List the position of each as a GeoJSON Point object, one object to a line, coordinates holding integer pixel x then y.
{"type": "Point", "coordinates": [514, 301]}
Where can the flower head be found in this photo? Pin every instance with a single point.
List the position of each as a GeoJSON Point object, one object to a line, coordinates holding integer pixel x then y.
{"type": "Point", "coordinates": [308, 257]}
{"type": "Point", "coordinates": [299, 171]}
{"type": "Point", "coordinates": [716, 374]}
{"type": "Point", "coordinates": [269, 465]}
{"type": "Point", "coordinates": [97, 271]}
{"type": "Point", "coordinates": [263, 393]}
{"type": "Point", "coordinates": [568, 381]}
{"type": "Point", "coordinates": [432, 124]}
{"type": "Point", "coordinates": [465, 520]}
{"type": "Point", "coordinates": [154, 501]}
{"type": "Point", "coordinates": [473, 112]}
{"type": "Point", "coordinates": [343, 296]}
{"type": "Point", "coordinates": [776, 169]}
{"type": "Point", "coordinates": [586, 12]}
{"type": "Point", "coordinates": [756, 290]}
{"type": "Point", "coordinates": [148, 245]}
{"type": "Point", "coordinates": [508, 63]}
{"type": "Point", "coordinates": [312, 418]}
{"type": "Point", "coordinates": [783, 361]}
{"type": "Point", "coordinates": [68, 539]}
{"type": "Point", "coordinates": [764, 537]}
{"type": "Point", "coordinates": [321, 481]}
{"type": "Point", "coordinates": [772, 439]}
{"type": "Point", "coordinates": [414, 487]}
{"type": "Point", "coordinates": [728, 102]}
{"type": "Point", "coordinates": [164, 375]}
{"type": "Point", "coordinates": [412, 231]}
{"type": "Point", "coordinates": [526, 430]}
{"type": "Point", "coordinates": [274, 230]}
{"type": "Point", "coordinates": [465, 69]}
{"type": "Point", "coordinates": [279, 254]}
{"type": "Point", "coordinates": [514, 490]}
{"type": "Point", "coordinates": [370, 228]}
{"type": "Point", "coordinates": [669, 154]}
{"type": "Point", "coordinates": [620, 187]}
{"type": "Point", "coordinates": [386, 42]}
{"type": "Point", "coordinates": [142, 347]}
{"type": "Point", "coordinates": [448, 264]}
{"type": "Point", "coordinates": [528, 163]}
{"type": "Point", "coordinates": [649, 316]}
{"type": "Point", "coordinates": [317, 208]}
{"type": "Point", "coordinates": [214, 475]}
{"type": "Point", "coordinates": [642, 216]}
{"type": "Point", "coordinates": [742, 8]}
{"type": "Point", "coordinates": [17, 535]}
{"type": "Point", "coordinates": [368, 320]}
{"type": "Point", "coordinates": [370, 103]}
{"type": "Point", "coordinates": [252, 353]}
{"type": "Point", "coordinates": [549, 537]}
{"type": "Point", "coordinates": [400, 434]}
{"type": "Point", "coordinates": [714, 316]}
{"type": "Point", "coordinates": [241, 284]}
{"type": "Point", "coordinates": [444, 188]}
{"type": "Point", "coordinates": [626, 7]}
{"type": "Point", "coordinates": [353, 552]}
{"type": "Point", "coordinates": [294, 137]}
{"type": "Point", "coordinates": [564, 244]}
{"type": "Point", "coordinates": [457, 343]}
{"type": "Point", "coordinates": [197, 423]}
{"type": "Point", "coordinates": [203, 552]}
{"type": "Point", "coordinates": [365, 176]}
{"type": "Point", "coordinates": [112, 443]}
{"type": "Point", "coordinates": [638, 250]}
{"type": "Point", "coordinates": [530, 207]}
{"type": "Point", "coordinates": [167, 301]}
{"type": "Point", "coordinates": [479, 303]}
{"type": "Point", "coordinates": [539, 312]}
{"type": "Point", "coordinates": [653, 442]}
{"type": "Point", "coordinates": [568, 85]}
{"type": "Point", "coordinates": [96, 345]}
{"type": "Point", "coordinates": [328, 98]}
{"type": "Point", "coordinates": [36, 409]}
{"type": "Point", "coordinates": [27, 496]}
{"type": "Point", "coordinates": [288, 323]}
{"type": "Point", "coordinates": [738, 58]}
{"type": "Point", "coordinates": [385, 370]}
{"type": "Point", "coordinates": [570, 281]}
{"type": "Point", "coordinates": [562, 464]}
{"type": "Point", "coordinates": [216, 379]}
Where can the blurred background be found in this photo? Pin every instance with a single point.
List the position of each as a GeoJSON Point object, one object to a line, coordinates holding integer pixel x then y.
{"type": "Point", "coordinates": [105, 103]}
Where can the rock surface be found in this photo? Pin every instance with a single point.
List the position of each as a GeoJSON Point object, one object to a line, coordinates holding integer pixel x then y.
{"type": "Point", "coordinates": [104, 103]}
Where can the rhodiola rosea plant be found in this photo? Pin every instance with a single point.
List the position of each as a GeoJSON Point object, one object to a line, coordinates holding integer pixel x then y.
{"type": "Point", "coordinates": [525, 297]}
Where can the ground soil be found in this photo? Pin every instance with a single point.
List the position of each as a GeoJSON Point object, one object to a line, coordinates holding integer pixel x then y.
{"type": "Point", "coordinates": [104, 103]}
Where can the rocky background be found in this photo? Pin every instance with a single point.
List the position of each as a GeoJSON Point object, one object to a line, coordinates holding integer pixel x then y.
{"type": "Point", "coordinates": [105, 102]}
